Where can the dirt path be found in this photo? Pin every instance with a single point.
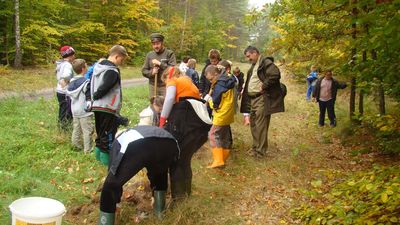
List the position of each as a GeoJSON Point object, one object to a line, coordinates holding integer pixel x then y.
{"type": "Point", "coordinates": [260, 191]}
{"type": "Point", "coordinates": [49, 93]}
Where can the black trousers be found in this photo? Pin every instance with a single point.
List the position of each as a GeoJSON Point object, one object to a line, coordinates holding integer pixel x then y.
{"type": "Point", "coordinates": [64, 111]}
{"type": "Point", "coordinates": [154, 154]}
{"type": "Point", "coordinates": [327, 106]}
{"type": "Point", "coordinates": [106, 128]}
{"type": "Point", "coordinates": [191, 133]}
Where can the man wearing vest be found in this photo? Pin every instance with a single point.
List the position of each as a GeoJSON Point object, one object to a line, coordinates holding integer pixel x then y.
{"type": "Point", "coordinates": [262, 96]}
{"type": "Point", "coordinates": [106, 94]}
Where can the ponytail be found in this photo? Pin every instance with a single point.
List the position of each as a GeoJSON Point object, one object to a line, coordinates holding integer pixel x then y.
{"type": "Point", "coordinates": [218, 69]}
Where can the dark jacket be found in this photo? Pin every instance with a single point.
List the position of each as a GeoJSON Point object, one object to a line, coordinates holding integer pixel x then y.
{"type": "Point", "coordinates": [167, 58]}
{"type": "Point", "coordinates": [273, 91]}
{"type": "Point", "coordinates": [335, 86]}
{"type": "Point", "coordinates": [121, 142]}
{"type": "Point", "coordinates": [192, 73]}
{"type": "Point", "coordinates": [240, 78]}
{"type": "Point", "coordinates": [204, 84]}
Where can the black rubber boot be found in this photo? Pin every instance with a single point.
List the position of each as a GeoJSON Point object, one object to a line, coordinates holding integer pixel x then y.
{"type": "Point", "coordinates": [188, 187]}
{"type": "Point", "coordinates": [178, 190]}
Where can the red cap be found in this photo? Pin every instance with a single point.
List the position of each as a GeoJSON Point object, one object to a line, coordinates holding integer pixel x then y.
{"type": "Point", "coordinates": [67, 51]}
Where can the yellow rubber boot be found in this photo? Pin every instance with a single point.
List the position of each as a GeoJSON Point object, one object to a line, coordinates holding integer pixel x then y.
{"type": "Point", "coordinates": [218, 158]}
{"type": "Point", "coordinates": [225, 153]}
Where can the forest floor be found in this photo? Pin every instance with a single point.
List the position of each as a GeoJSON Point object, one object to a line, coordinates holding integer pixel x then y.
{"type": "Point", "coordinates": [248, 190]}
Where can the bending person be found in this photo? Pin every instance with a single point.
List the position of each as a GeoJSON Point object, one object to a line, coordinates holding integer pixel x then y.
{"type": "Point", "coordinates": [185, 116]}
{"type": "Point", "coordinates": [133, 150]}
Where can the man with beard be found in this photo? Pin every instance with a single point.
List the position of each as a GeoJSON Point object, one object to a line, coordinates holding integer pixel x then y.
{"type": "Point", "coordinates": [155, 63]}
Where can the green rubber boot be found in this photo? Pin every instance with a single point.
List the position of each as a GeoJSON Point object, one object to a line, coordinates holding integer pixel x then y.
{"type": "Point", "coordinates": [97, 152]}
{"type": "Point", "coordinates": [106, 218]}
{"type": "Point", "coordinates": [104, 158]}
{"type": "Point", "coordinates": [159, 203]}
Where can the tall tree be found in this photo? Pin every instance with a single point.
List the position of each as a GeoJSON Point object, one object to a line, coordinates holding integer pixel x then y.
{"type": "Point", "coordinates": [18, 53]}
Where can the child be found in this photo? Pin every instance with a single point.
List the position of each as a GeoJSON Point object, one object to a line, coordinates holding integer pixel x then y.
{"type": "Point", "coordinates": [192, 73]}
{"type": "Point", "coordinates": [311, 80]}
{"type": "Point", "coordinates": [325, 94]}
{"type": "Point", "coordinates": [139, 147]}
{"type": "Point", "coordinates": [78, 90]}
{"type": "Point", "coordinates": [221, 101]}
{"type": "Point", "coordinates": [151, 115]}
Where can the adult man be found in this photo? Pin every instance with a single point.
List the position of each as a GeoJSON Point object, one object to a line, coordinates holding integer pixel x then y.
{"type": "Point", "coordinates": [106, 95]}
{"type": "Point", "coordinates": [262, 96]}
{"type": "Point", "coordinates": [64, 74]}
{"type": "Point", "coordinates": [155, 63]}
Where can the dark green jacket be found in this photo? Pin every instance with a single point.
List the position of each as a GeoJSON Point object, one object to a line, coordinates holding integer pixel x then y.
{"type": "Point", "coordinates": [273, 91]}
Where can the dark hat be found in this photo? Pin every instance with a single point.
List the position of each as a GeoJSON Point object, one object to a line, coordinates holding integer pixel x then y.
{"type": "Point", "coordinates": [66, 51]}
{"type": "Point", "coordinates": [156, 37]}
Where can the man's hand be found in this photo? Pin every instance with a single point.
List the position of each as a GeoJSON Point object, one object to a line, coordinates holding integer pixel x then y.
{"type": "Point", "coordinates": [156, 62]}
{"type": "Point", "coordinates": [154, 71]}
{"type": "Point", "coordinates": [314, 99]}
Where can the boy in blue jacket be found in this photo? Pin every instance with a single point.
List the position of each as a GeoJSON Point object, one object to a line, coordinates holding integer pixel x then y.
{"type": "Point", "coordinates": [311, 81]}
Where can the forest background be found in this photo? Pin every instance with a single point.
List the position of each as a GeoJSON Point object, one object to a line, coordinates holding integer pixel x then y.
{"type": "Point", "coordinates": [359, 39]}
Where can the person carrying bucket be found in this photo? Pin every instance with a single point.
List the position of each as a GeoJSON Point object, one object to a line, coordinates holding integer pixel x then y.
{"type": "Point", "coordinates": [133, 150]}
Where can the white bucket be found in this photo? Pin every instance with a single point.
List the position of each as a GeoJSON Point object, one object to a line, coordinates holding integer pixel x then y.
{"type": "Point", "coordinates": [37, 211]}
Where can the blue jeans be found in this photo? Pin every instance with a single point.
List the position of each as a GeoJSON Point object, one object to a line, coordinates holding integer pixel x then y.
{"type": "Point", "coordinates": [327, 106]}
{"type": "Point", "coordinates": [310, 89]}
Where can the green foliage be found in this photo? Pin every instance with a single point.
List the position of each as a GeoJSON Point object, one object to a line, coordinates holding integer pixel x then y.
{"type": "Point", "coordinates": [320, 32]}
{"type": "Point", "coordinates": [371, 197]}
{"type": "Point", "coordinates": [93, 26]}
{"type": "Point", "coordinates": [386, 129]}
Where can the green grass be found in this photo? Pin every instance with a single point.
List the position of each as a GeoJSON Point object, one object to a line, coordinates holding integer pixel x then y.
{"type": "Point", "coordinates": [37, 160]}
{"type": "Point", "coordinates": [31, 79]}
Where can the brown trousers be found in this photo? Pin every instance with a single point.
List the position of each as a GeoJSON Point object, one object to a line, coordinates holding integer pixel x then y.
{"type": "Point", "coordinates": [160, 91]}
{"type": "Point", "coordinates": [259, 124]}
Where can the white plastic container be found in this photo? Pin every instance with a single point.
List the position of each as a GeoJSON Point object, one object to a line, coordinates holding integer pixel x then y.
{"type": "Point", "coordinates": [37, 210]}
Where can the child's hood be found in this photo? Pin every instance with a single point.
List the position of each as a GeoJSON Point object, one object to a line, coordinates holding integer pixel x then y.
{"type": "Point", "coordinates": [76, 85]}
{"type": "Point", "coordinates": [102, 66]}
{"type": "Point", "coordinates": [226, 81]}
{"type": "Point", "coordinates": [59, 64]}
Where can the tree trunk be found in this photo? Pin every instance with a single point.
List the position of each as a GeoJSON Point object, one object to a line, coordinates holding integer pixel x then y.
{"type": "Point", "coordinates": [18, 53]}
{"type": "Point", "coordinates": [361, 93]}
{"type": "Point", "coordinates": [382, 104]}
{"type": "Point", "coordinates": [184, 25]}
{"type": "Point", "coordinates": [361, 103]}
{"type": "Point", "coordinates": [6, 41]}
{"type": "Point", "coordinates": [352, 97]}
{"type": "Point", "coordinates": [353, 59]}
